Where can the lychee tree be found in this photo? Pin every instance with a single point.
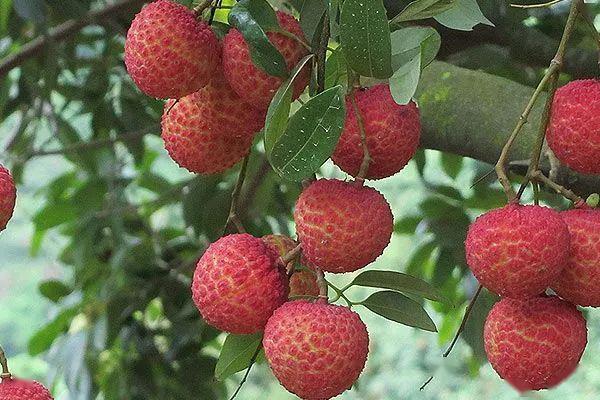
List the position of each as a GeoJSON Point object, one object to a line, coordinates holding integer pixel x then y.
{"type": "Point", "coordinates": [258, 249]}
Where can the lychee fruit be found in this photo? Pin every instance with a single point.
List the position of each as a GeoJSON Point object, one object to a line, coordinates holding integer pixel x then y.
{"type": "Point", "coordinates": [210, 130]}
{"type": "Point", "coordinates": [168, 52]}
{"type": "Point", "coordinates": [392, 132]}
{"type": "Point", "coordinates": [303, 282]}
{"type": "Point", "coordinates": [574, 130]}
{"type": "Point", "coordinates": [250, 82]}
{"type": "Point", "coordinates": [316, 350]}
{"type": "Point", "coordinates": [342, 226]}
{"type": "Point", "coordinates": [17, 389]}
{"type": "Point", "coordinates": [8, 197]}
{"type": "Point", "coordinates": [534, 343]}
{"type": "Point", "coordinates": [238, 284]}
{"type": "Point", "coordinates": [518, 251]}
{"type": "Point", "coordinates": [578, 282]}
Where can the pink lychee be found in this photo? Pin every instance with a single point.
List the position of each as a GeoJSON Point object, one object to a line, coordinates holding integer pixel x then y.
{"type": "Point", "coordinates": [8, 197]}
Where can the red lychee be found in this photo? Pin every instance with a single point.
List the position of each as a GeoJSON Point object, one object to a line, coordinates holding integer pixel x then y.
{"type": "Point", "coordinates": [518, 251]}
{"type": "Point", "coordinates": [534, 343]}
{"type": "Point", "coordinates": [342, 226]}
{"type": "Point", "coordinates": [578, 283]}
{"type": "Point", "coordinates": [168, 52]}
{"type": "Point", "coordinates": [209, 131]}
{"type": "Point", "coordinates": [302, 282]}
{"type": "Point", "coordinates": [316, 350]}
{"type": "Point", "coordinates": [251, 83]}
{"type": "Point", "coordinates": [574, 130]}
{"type": "Point", "coordinates": [17, 389]}
{"type": "Point", "coordinates": [8, 197]}
{"type": "Point", "coordinates": [392, 133]}
{"type": "Point", "coordinates": [238, 284]}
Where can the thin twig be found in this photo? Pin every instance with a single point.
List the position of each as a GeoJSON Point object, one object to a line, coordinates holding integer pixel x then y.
{"type": "Point", "coordinates": [4, 363]}
{"type": "Point", "coordinates": [364, 165]}
{"type": "Point", "coordinates": [233, 217]}
{"type": "Point", "coordinates": [569, 194]}
{"type": "Point", "coordinates": [426, 383]}
{"type": "Point", "coordinates": [461, 328]}
{"type": "Point", "coordinates": [252, 361]}
{"type": "Point", "coordinates": [540, 5]}
{"type": "Point", "coordinates": [291, 255]}
{"type": "Point", "coordinates": [321, 284]}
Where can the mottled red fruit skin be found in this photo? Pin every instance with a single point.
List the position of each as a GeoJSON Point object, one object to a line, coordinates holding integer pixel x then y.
{"type": "Point", "coordinates": [534, 343]}
{"type": "Point", "coordinates": [302, 282]}
{"type": "Point", "coordinates": [8, 197]}
{"type": "Point", "coordinates": [237, 284]}
{"type": "Point", "coordinates": [342, 226]}
{"type": "Point", "coordinates": [574, 129]}
{"type": "Point", "coordinates": [518, 251]}
{"type": "Point", "coordinates": [168, 52]}
{"type": "Point", "coordinates": [392, 133]}
{"type": "Point", "coordinates": [316, 350]}
{"type": "Point", "coordinates": [249, 81]}
{"type": "Point", "coordinates": [209, 131]}
{"type": "Point", "coordinates": [578, 282]}
{"type": "Point", "coordinates": [16, 389]}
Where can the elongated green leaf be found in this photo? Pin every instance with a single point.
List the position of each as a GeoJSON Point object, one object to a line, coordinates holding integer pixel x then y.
{"type": "Point", "coordinates": [310, 15]}
{"type": "Point", "coordinates": [422, 9]}
{"type": "Point", "coordinates": [310, 137]}
{"type": "Point", "coordinates": [407, 42]}
{"type": "Point", "coordinates": [5, 9]}
{"type": "Point", "coordinates": [336, 70]}
{"type": "Point", "coordinates": [404, 82]}
{"type": "Point", "coordinates": [236, 354]}
{"type": "Point", "coordinates": [253, 18]}
{"type": "Point", "coordinates": [44, 338]}
{"type": "Point", "coordinates": [279, 109]}
{"type": "Point", "coordinates": [399, 308]}
{"type": "Point", "coordinates": [54, 290]}
{"type": "Point", "coordinates": [464, 16]}
{"type": "Point", "coordinates": [365, 38]}
{"type": "Point", "coordinates": [399, 282]}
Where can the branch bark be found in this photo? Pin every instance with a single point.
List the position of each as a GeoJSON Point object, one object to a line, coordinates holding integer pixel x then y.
{"type": "Point", "coordinates": [63, 31]}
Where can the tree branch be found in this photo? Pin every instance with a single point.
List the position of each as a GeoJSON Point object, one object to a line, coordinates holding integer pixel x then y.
{"type": "Point", "coordinates": [63, 31]}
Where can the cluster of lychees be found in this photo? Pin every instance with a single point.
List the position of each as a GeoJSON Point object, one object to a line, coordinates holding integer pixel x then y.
{"type": "Point", "coordinates": [535, 340]}
{"type": "Point", "coordinates": [218, 101]}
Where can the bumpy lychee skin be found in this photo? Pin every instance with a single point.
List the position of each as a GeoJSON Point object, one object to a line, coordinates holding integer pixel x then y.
{"type": "Point", "coordinates": [392, 133]}
{"type": "Point", "coordinates": [302, 282]}
{"type": "Point", "coordinates": [578, 283]}
{"type": "Point", "coordinates": [17, 389]}
{"type": "Point", "coordinates": [168, 52]}
{"type": "Point", "coordinates": [249, 81]}
{"type": "Point", "coordinates": [534, 343]}
{"type": "Point", "coordinates": [316, 350]}
{"type": "Point", "coordinates": [8, 197]}
{"type": "Point", "coordinates": [518, 251]}
{"type": "Point", "coordinates": [574, 129]}
{"type": "Point", "coordinates": [342, 226]}
{"type": "Point", "coordinates": [237, 284]}
{"type": "Point", "coordinates": [209, 131]}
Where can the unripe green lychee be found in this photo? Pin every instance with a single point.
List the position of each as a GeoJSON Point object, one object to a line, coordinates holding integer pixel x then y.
{"type": "Point", "coordinates": [250, 82]}
{"type": "Point", "coordinates": [302, 282]}
{"type": "Point", "coordinates": [574, 129]}
{"type": "Point", "coordinates": [316, 350]}
{"type": "Point", "coordinates": [578, 283]}
{"type": "Point", "coordinates": [17, 389]}
{"type": "Point", "coordinates": [342, 226]}
{"type": "Point", "coordinates": [209, 131]}
{"type": "Point", "coordinates": [534, 343]}
{"type": "Point", "coordinates": [8, 197]}
{"type": "Point", "coordinates": [392, 133]}
{"type": "Point", "coordinates": [168, 52]}
{"type": "Point", "coordinates": [238, 284]}
{"type": "Point", "coordinates": [518, 251]}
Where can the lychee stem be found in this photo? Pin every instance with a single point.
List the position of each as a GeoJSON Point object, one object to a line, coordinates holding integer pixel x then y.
{"type": "Point", "coordinates": [233, 217]}
{"type": "Point", "coordinates": [569, 194]}
{"type": "Point", "coordinates": [290, 255]}
{"type": "Point", "coordinates": [4, 362]}
{"type": "Point", "coordinates": [322, 284]}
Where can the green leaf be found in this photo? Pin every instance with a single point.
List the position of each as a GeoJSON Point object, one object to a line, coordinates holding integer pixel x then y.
{"type": "Point", "coordinates": [253, 18]}
{"type": "Point", "coordinates": [422, 9]}
{"type": "Point", "coordinates": [5, 8]}
{"type": "Point", "coordinates": [279, 109]}
{"type": "Point", "coordinates": [407, 225]}
{"type": "Point", "coordinates": [399, 308]}
{"type": "Point", "coordinates": [236, 354]}
{"type": "Point", "coordinates": [464, 16]}
{"type": "Point", "coordinates": [399, 282]}
{"type": "Point", "coordinates": [54, 290]}
{"type": "Point", "coordinates": [452, 164]}
{"type": "Point", "coordinates": [336, 69]}
{"type": "Point", "coordinates": [44, 338]}
{"type": "Point", "coordinates": [408, 42]}
{"type": "Point", "coordinates": [365, 38]}
{"type": "Point", "coordinates": [310, 137]}
{"type": "Point", "coordinates": [404, 82]}
{"type": "Point", "coordinates": [311, 13]}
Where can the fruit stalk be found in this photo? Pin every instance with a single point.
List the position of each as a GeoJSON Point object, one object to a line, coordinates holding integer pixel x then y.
{"type": "Point", "coordinates": [4, 363]}
{"type": "Point", "coordinates": [461, 328]}
{"type": "Point", "coordinates": [233, 217]}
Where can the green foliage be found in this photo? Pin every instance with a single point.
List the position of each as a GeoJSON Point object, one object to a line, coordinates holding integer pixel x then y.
{"type": "Point", "coordinates": [399, 308]}
{"type": "Point", "coordinates": [237, 353]}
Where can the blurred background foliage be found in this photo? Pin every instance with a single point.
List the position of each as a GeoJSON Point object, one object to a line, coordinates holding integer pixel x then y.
{"type": "Point", "coordinates": [95, 267]}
